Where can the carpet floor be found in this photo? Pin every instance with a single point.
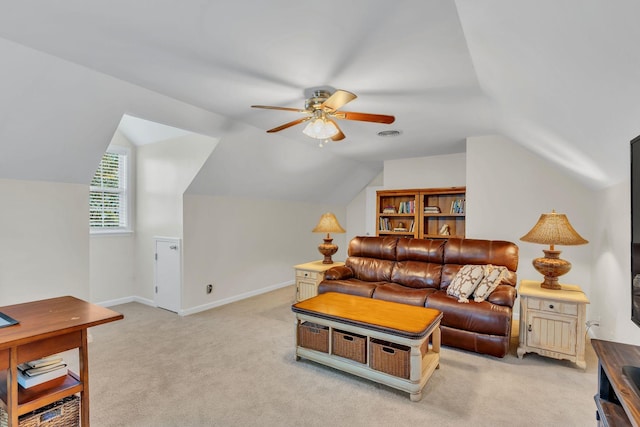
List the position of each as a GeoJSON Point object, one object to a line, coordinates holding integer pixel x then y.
{"type": "Point", "coordinates": [235, 366]}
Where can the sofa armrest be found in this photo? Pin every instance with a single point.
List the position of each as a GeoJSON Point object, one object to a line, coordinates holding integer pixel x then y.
{"type": "Point", "coordinates": [504, 295]}
{"type": "Point", "coordinates": [340, 272]}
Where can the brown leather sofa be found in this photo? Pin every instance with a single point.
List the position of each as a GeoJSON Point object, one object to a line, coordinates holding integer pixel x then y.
{"type": "Point", "coordinates": [418, 271]}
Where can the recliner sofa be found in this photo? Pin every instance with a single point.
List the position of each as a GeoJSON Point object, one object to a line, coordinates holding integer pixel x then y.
{"type": "Point", "coordinates": [418, 272]}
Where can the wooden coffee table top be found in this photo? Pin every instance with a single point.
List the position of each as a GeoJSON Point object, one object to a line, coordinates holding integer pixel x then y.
{"type": "Point", "coordinates": [401, 319]}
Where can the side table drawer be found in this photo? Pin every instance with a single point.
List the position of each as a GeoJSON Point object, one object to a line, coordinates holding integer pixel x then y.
{"type": "Point", "coordinates": [552, 306]}
{"type": "Point", "coordinates": [310, 275]}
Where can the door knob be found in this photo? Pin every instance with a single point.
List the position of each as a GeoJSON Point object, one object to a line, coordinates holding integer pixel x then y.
{"type": "Point", "coordinates": [174, 247]}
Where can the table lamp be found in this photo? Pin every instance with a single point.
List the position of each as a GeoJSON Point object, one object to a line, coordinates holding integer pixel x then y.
{"type": "Point", "coordinates": [328, 224]}
{"type": "Point", "coordinates": [552, 229]}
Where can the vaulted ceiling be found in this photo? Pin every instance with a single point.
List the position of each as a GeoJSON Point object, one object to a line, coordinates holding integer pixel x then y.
{"type": "Point", "coordinates": [557, 76]}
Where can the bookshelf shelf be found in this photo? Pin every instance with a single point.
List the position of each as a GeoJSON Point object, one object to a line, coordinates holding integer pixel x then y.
{"type": "Point", "coordinates": [426, 213]}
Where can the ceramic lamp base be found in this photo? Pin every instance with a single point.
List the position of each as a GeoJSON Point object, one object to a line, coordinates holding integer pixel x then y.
{"type": "Point", "coordinates": [327, 249]}
{"type": "Point", "coordinates": [551, 266]}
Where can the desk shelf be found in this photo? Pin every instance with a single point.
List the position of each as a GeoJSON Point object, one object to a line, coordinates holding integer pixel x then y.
{"type": "Point", "coordinates": [47, 327]}
{"type": "Point", "coordinates": [32, 398]}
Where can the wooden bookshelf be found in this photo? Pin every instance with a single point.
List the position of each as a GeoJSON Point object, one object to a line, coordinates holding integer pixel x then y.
{"type": "Point", "coordinates": [397, 213]}
{"type": "Point", "coordinates": [430, 210]}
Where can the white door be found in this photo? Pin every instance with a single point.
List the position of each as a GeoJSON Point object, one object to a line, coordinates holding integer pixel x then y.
{"type": "Point", "coordinates": [168, 286]}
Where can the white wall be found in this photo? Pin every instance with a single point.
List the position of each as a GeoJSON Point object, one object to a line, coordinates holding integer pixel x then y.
{"type": "Point", "coordinates": [112, 257]}
{"type": "Point", "coordinates": [508, 187]}
{"type": "Point", "coordinates": [164, 171]}
{"type": "Point", "coordinates": [247, 246]}
{"type": "Point", "coordinates": [45, 240]}
{"type": "Point", "coordinates": [611, 284]}
{"type": "Point", "coordinates": [425, 172]}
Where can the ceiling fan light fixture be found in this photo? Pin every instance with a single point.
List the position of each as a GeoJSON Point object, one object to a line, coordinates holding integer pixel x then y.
{"type": "Point", "coordinates": [320, 128]}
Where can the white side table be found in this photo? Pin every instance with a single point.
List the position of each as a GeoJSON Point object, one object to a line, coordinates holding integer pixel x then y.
{"type": "Point", "coordinates": [309, 276]}
{"type": "Point", "coordinates": [552, 322]}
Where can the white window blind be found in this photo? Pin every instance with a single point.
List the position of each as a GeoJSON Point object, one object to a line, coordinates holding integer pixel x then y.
{"type": "Point", "coordinates": [108, 193]}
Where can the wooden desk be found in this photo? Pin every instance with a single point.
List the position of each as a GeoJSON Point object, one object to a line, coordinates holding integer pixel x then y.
{"type": "Point", "coordinates": [47, 327]}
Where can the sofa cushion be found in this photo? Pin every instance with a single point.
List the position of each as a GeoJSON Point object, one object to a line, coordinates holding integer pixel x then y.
{"type": "Point", "coordinates": [350, 286]}
{"type": "Point", "coordinates": [420, 250]}
{"type": "Point", "coordinates": [460, 252]}
{"type": "Point", "coordinates": [399, 293]}
{"type": "Point", "coordinates": [474, 251]}
{"type": "Point", "coordinates": [338, 272]}
{"type": "Point", "coordinates": [465, 282]}
{"type": "Point", "coordinates": [492, 278]}
{"type": "Point", "coordinates": [373, 247]}
{"type": "Point", "coordinates": [503, 295]}
{"type": "Point", "coordinates": [479, 317]}
{"type": "Point", "coordinates": [370, 269]}
{"type": "Point", "coordinates": [416, 274]}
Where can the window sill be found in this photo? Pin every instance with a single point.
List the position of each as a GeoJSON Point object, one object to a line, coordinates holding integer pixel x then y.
{"type": "Point", "coordinates": [104, 233]}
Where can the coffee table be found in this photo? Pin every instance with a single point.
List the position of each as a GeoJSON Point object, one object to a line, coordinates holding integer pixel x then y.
{"type": "Point", "coordinates": [394, 344]}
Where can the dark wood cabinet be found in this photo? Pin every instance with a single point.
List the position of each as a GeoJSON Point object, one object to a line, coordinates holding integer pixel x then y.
{"type": "Point", "coordinates": [618, 397]}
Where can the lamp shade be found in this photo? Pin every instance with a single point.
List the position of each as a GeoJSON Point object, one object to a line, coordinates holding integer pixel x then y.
{"type": "Point", "coordinates": [328, 224]}
{"type": "Point", "coordinates": [554, 229]}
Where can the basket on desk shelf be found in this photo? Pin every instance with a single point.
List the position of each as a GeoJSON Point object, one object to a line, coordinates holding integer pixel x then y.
{"type": "Point", "coordinates": [63, 413]}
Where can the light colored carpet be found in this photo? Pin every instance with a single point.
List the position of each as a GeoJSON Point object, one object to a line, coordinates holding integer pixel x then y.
{"type": "Point", "coordinates": [235, 366]}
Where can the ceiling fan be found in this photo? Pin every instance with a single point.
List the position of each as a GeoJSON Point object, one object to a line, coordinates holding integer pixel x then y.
{"type": "Point", "coordinates": [321, 109]}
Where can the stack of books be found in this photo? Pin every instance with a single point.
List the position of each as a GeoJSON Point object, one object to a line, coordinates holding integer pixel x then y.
{"type": "Point", "coordinates": [431, 209]}
{"type": "Point", "coordinates": [42, 370]}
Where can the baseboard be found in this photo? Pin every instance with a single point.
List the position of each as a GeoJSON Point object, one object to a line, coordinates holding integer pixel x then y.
{"type": "Point", "coordinates": [235, 298]}
{"type": "Point", "coordinates": [126, 300]}
{"type": "Point", "coordinates": [202, 307]}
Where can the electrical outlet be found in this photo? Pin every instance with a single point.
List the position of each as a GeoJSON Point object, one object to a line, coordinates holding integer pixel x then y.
{"type": "Point", "coordinates": [209, 288]}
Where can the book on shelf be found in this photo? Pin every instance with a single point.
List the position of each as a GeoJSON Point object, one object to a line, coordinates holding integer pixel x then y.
{"type": "Point", "coordinates": [399, 229]}
{"type": "Point", "coordinates": [32, 372]}
{"type": "Point", "coordinates": [389, 210]}
{"type": "Point", "coordinates": [457, 206]}
{"type": "Point", "coordinates": [431, 209]}
{"type": "Point", "coordinates": [46, 361]}
{"type": "Point", "coordinates": [384, 225]}
{"type": "Point", "coordinates": [29, 379]}
{"type": "Point", "coordinates": [408, 207]}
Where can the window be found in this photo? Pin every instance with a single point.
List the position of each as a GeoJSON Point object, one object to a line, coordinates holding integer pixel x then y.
{"type": "Point", "coordinates": [108, 195]}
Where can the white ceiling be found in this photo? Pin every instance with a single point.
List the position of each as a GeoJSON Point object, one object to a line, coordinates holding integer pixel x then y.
{"type": "Point", "coordinates": [557, 76]}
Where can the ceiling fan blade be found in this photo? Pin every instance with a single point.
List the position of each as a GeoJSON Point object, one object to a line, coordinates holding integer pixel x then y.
{"type": "Point", "coordinates": [269, 107]}
{"type": "Point", "coordinates": [363, 117]}
{"type": "Point", "coordinates": [288, 125]}
{"type": "Point", "coordinates": [337, 100]}
{"type": "Point", "coordinates": [338, 136]}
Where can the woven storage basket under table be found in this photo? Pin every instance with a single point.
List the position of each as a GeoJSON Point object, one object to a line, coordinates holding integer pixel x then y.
{"type": "Point", "coordinates": [63, 413]}
{"type": "Point", "coordinates": [390, 358]}
{"type": "Point", "coordinates": [349, 345]}
{"type": "Point", "coordinates": [313, 336]}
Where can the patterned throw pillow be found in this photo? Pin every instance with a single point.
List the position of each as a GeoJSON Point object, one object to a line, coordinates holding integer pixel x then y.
{"type": "Point", "coordinates": [465, 282]}
{"type": "Point", "coordinates": [492, 277]}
